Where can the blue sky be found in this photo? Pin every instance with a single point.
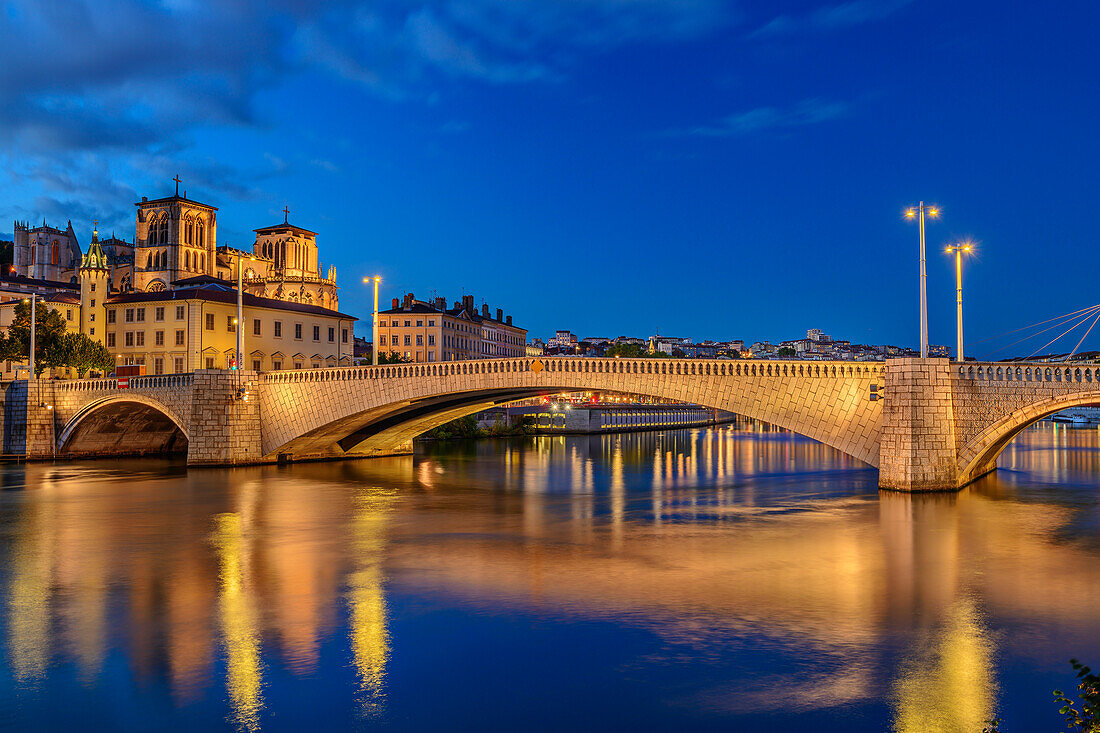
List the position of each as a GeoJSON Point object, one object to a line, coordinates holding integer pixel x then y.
{"type": "Point", "coordinates": [712, 169]}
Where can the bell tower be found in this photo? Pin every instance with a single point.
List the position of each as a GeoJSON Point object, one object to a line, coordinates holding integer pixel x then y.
{"type": "Point", "coordinates": [95, 272]}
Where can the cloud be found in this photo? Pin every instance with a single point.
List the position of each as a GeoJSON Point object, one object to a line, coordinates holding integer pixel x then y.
{"type": "Point", "coordinates": [95, 92]}
{"type": "Point", "coordinates": [831, 17]}
{"type": "Point", "coordinates": [806, 112]}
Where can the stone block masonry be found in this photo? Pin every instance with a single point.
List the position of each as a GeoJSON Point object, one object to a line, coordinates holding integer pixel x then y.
{"type": "Point", "coordinates": [940, 425]}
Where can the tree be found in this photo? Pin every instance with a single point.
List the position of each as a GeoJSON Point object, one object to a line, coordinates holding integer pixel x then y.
{"type": "Point", "coordinates": [628, 351]}
{"type": "Point", "coordinates": [393, 358]}
{"type": "Point", "coordinates": [83, 353]}
{"type": "Point", "coordinates": [49, 328]}
{"type": "Point", "coordinates": [786, 352]}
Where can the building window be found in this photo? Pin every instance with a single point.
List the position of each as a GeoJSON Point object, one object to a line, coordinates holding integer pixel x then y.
{"type": "Point", "coordinates": [431, 356]}
{"type": "Point", "coordinates": [394, 324]}
{"type": "Point", "coordinates": [408, 323]}
{"type": "Point", "coordinates": [381, 340]}
{"type": "Point", "coordinates": [431, 340]}
{"type": "Point", "coordinates": [179, 337]}
{"type": "Point", "coordinates": [344, 335]}
{"type": "Point", "coordinates": [276, 365]}
{"type": "Point", "coordinates": [420, 324]}
{"type": "Point", "coordinates": [141, 315]}
{"type": "Point", "coordinates": [316, 333]}
{"type": "Point", "coordinates": [177, 365]}
{"type": "Point", "coordinates": [255, 326]}
{"type": "Point", "coordinates": [431, 322]}
{"type": "Point", "coordinates": [158, 365]}
{"type": "Point", "coordinates": [408, 340]}
{"type": "Point", "coordinates": [158, 338]}
{"type": "Point", "coordinates": [158, 313]}
{"type": "Point", "coordinates": [110, 341]}
{"type": "Point", "coordinates": [92, 288]}
{"type": "Point", "coordinates": [129, 341]}
{"type": "Point", "coordinates": [210, 322]}
{"type": "Point", "coordinates": [68, 315]}
{"type": "Point", "coordinates": [316, 365]}
{"type": "Point", "coordinates": [297, 365]}
{"type": "Point", "coordinates": [419, 340]}
{"type": "Point", "coordinates": [179, 312]}
{"type": "Point", "coordinates": [231, 324]}
{"type": "Point", "coordinates": [255, 365]}
{"type": "Point", "coordinates": [278, 329]}
{"type": "Point", "coordinates": [140, 338]}
{"type": "Point", "coordinates": [91, 331]}
{"type": "Point", "coordinates": [209, 362]}
{"type": "Point", "coordinates": [331, 335]}
{"type": "Point", "coordinates": [298, 332]}
{"type": "Point", "coordinates": [129, 315]}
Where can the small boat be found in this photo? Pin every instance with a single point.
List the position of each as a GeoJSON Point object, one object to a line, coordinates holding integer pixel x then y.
{"type": "Point", "coordinates": [1078, 419]}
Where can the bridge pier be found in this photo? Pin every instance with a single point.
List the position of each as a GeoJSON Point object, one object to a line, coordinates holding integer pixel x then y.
{"type": "Point", "coordinates": [918, 449]}
{"type": "Point", "coordinates": [225, 421]}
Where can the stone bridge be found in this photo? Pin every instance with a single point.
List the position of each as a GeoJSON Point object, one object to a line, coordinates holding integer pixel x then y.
{"type": "Point", "coordinates": [927, 424]}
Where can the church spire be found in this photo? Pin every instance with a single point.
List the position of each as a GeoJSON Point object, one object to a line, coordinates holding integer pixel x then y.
{"type": "Point", "coordinates": [94, 259]}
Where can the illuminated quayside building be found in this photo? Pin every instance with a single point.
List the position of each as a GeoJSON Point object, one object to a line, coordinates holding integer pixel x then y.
{"type": "Point", "coordinates": [168, 299]}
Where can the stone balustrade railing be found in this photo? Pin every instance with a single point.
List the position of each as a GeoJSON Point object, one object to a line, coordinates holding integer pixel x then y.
{"type": "Point", "coordinates": [1028, 372]}
{"type": "Point", "coordinates": [683, 367]}
{"type": "Point", "coordinates": [143, 382]}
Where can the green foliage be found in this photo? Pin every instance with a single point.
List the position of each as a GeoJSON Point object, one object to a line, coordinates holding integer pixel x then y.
{"type": "Point", "coordinates": [1087, 719]}
{"type": "Point", "coordinates": [7, 253]}
{"type": "Point", "coordinates": [733, 354]}
{"type": "Point", "coordinates": [627, 351]}
{"type": "Point", "coordinates": [392, 357]}
{"type": "Point", "coordinates": [786, 352]}
{"type": "Point", "coordinates": [49, 329]}
{"type": "Point", "coordinates": [466, 427]}
{"type": "Point", "coordinates": [83, 354]}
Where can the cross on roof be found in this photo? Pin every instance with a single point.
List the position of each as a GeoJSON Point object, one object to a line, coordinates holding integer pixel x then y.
{"type": "Point", "coordinates": [177, 180]}
{"type": "Point", "coordinates": [286, 215]}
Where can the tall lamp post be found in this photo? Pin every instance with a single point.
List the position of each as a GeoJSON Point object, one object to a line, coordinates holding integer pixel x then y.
{"type": "Point", "coordinates": [918, 212]}
{"type": "Point", "coordinates": [240, 311]}
{"type": "Point", "coordinates": [374, 335]}
{"type": "Point", "coordinates": [958, 250]}
{"type": "Point", "coordinates": [32, 300]}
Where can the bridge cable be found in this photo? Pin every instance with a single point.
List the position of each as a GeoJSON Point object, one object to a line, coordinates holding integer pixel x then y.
{"type": "Point", "coordinates": [1094, 320]}
{"type": "Point", "coordinates": [1048, 343]}
{"type": "Point", "coordinates": [1065, 316]}
{"type": "Point", "coordinates": [1062, 320]}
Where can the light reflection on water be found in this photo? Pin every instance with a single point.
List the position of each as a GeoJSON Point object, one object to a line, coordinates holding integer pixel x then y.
{"type": "Point", "coordinates": [732, 576]}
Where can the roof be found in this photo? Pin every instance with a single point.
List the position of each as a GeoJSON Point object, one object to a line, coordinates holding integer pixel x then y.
{"type": "Point", "coordinates": [419, 307]}
{"type": "Point", "coordinates": [177, 197]}
{"type": "Point", "coordinates": [281, 227]}
{"type": "Point", "coordinates": [35, 282]}
{"type": "Point", "coordinates": [225, 295]}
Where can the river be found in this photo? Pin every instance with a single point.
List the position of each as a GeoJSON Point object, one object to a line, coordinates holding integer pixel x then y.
{"type": "Point", "coordinates": [731, 577]}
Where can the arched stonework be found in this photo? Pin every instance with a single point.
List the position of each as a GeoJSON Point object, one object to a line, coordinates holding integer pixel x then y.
{"type": "Point", "coordinates": [123, 424]}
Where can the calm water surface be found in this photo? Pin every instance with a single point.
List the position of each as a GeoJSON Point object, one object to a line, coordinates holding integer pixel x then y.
{"type": "Point", "coordinates": [727, 578]}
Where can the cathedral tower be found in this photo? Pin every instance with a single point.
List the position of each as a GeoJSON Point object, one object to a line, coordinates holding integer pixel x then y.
{"type": "Point", "coordinates": [176, 239]}
{"type": "Point", "coordinates": [94, 288]}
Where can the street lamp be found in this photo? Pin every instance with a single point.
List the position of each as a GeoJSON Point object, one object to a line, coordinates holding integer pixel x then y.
{"type": "Point", "coordinates": [240, 311]}
{"type": "Point", "coordinates": [958, 250]}
{"type": "Point", "coordinates": [374, 336]}
{"type": "Point", "coordinates": [918, 212]}
{"type": "Point", "coordinates": [32, 300]}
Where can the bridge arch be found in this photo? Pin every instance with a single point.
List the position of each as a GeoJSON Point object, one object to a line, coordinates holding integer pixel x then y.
{"type": "Point", "coordinates": [381, 409]}
{"type": "Point", "coordinates": [979, 456]}
{"type": "Point", "coordinates": [123, 424]}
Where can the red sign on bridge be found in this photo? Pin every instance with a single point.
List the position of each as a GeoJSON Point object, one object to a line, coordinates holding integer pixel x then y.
{"type": "Point", "coordinates": [123, 382]}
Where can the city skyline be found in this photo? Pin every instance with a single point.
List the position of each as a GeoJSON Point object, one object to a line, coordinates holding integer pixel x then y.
{"type": "Point", "coordinates": [678, 161]}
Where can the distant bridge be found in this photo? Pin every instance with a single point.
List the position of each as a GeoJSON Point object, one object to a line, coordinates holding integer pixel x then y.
{"type": "Point", "coordinates": [939, 425]}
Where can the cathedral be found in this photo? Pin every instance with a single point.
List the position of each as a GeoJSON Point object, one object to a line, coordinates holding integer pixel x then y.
{"type": "Point", "coordinates": [167, 299]}
{"type": "Point", "coordinates": [176, 241]}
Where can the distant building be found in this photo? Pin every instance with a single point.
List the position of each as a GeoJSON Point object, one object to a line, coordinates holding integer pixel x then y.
{"type": "Point", "coordinates": [535, 347]}
{"type": "Point", "coordinates": [563, 340]}
{"type": "Point", "coordinates": [428, 332]}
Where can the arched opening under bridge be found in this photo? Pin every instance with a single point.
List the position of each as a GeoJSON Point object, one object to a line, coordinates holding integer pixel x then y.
{"type": "Point", "coordinates": [121, 426]}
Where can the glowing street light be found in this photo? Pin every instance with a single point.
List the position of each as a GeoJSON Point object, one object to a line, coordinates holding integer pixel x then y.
{"type": "Point", "coordinates": [958, 250]}
{"type": "Point", "coordinates": [374, 336]}
{"type": "Point", "coordinates": [918, 212]}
